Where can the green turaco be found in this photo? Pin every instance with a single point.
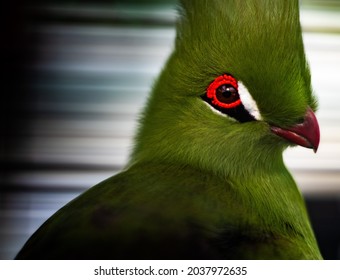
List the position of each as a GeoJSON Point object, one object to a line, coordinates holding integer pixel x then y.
{"type": "Point", "coordinates": [206, 178]}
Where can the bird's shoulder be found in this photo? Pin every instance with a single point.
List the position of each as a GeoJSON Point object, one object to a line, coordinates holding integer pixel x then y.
{"type": "Point", "coordinates": [157, 205]}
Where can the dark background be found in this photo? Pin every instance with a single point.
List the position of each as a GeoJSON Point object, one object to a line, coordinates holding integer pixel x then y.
{"type": "Point", "coordinates": [75, 76]}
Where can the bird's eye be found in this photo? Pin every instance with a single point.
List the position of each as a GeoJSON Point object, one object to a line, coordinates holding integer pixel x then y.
{"type": "Point", "coordinates": [231, 97]}
{"type": "Point", "coordinates": [223, 92]}
{"type": "Point", "coordinates": [228, 96]}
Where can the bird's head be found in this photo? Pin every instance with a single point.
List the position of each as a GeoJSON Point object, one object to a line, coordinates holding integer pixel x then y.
{"type": "Point", "coordinates": [236, 90]}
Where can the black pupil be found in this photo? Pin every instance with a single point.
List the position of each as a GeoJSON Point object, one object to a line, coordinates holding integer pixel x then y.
{"type": "Point", "coordinates": [227, 94]}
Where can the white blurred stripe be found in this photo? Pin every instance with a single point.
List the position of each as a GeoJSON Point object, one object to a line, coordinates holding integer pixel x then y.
{"type": "Point", "coordinates": [320, 20]}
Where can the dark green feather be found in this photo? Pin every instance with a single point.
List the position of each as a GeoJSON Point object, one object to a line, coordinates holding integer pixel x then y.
{"type": "Point", "coordinates": [188, 214]}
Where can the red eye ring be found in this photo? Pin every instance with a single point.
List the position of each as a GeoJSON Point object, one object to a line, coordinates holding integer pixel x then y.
{"type": "Point", "coordinates": [219, 81]}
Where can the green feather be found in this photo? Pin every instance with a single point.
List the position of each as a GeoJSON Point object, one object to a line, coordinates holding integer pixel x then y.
{"type": "Point", "coordinates": [199, 184]}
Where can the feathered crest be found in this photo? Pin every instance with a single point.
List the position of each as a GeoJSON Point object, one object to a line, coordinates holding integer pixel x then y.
{"type": "Point", "coordinates": [258, 41]}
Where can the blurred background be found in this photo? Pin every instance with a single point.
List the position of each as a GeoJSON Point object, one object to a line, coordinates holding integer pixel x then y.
{"type": "Point", "coordinates": [75, 77]}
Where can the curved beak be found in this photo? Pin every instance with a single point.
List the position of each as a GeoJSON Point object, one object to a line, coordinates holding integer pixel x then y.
{"type": "Point", "coordinates": [305, 134]}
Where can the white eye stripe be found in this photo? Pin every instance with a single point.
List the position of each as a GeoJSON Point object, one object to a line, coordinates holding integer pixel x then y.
{"type": "Point", "coordinates": [220, 113]}
{"type": "Point", "coordinates": [248, 102]}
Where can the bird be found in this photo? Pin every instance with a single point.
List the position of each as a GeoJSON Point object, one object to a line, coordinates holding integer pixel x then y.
{"type": "Point", "coordinates": [206, 177]}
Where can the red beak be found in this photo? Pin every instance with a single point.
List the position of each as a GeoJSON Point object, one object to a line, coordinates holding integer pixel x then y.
{"type": "Point", "coordinates": [306, 134]}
